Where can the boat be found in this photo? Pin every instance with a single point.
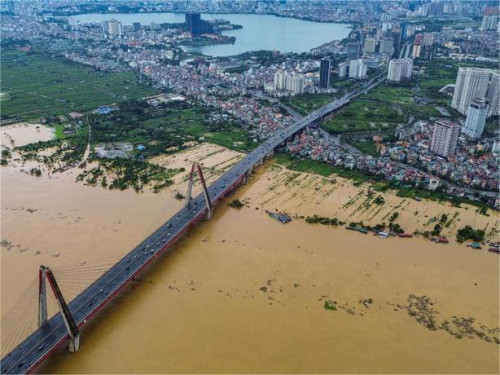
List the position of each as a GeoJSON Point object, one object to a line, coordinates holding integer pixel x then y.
{"type": "Point", "coordinates": [282, 218]}
{"type": "Point", "coordinates": [476, 245]}
{"type": "Point", "coordinates": [494, 250]}
{"type": "Point", "coordinates": [383, 234]}
{"type": "Point", "coordinates": [442, 240]}
{"type": "Point", "coordinates": [405, 235]}
{"type": "Point", "coordinates": [363, 230]}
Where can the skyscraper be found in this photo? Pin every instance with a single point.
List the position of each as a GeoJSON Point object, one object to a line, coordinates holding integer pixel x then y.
{"type": "Point", "coordinates": [196, 25]}
{"type": "Point", "coordinates": [494, 94]}
{"type": "Point", "coordinates": [324, 73]}
{"type": "Point", "coordinates": [112, 27]}
{"type": "Point", "coordinates": [471, 83]}
{"type": "Point", "coordinates": [400, 69]}
{"type": "Point", "coordinates": [370, 45]}
{"type": "Point", "coordinates": [476, 118]}
{"type": "Point", "coordinates": [353, 51]}
{"type": "Point", "coordinates": [357, 69]}
{"type": "Point", "coordinates": [444, 137]}
{"type": "Point", "coordinates": [386, 46]}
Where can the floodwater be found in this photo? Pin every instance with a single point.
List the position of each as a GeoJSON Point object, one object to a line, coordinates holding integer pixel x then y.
{"type": "Point", "coordinates": [259, 32]}
{"type": "Point", "coordinates": [244, 293]}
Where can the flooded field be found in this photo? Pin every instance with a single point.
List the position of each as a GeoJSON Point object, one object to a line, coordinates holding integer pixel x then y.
{"type": "Point", "coordinates": [244, 293]}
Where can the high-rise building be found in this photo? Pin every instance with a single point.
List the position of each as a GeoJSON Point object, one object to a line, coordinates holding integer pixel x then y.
{"type": "Point", "coordinates": [357, 69]}
{"type": "Point", "coordinates": [295, 83]}
{"type": "Point", "coordinates": [324, 73]}
{"type": "Point", "coordinates": [490, 18]}
{"type": "Point", "coordinates": [112, 27]}
{"type": "Point", "coordinates": [400, 69]}
{"type": "Point", "coordinates": [353, 51]}
{"type": "Point", "coordinates": [136, 26]}
{"type": "Point", "coordinates": [494, 94]}
{"type": "Point", "coordinates": [387, 46]}
{"type": "Point", "coordinates": [279, 80]}
{"type": "Point", "coordinates": [428, 39]}
{"type": "Point", "coordinates": [370, 45]}
{"type": "Point", "coordinates": [471, 83]}
{"type": "Point", "coordinates": [476, 118]}
{"type": "Point", "coordinates": [343, 69]}
{"type": "Point", "coordinates": [444, 137]}
{"type": "Point", "coordinates": [196, 25]}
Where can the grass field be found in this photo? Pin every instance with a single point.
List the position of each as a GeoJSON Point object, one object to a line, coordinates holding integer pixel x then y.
{"type": "Point", "coordinates": [308, 103]}
{"type": "Point", "coordinates": [364, 115]}
{"type": "Point", "coordinates": [35, 86]}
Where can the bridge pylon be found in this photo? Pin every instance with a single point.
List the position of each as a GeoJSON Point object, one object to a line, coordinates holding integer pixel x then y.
{"type": "Point", "coordinates": [45, 274]}
{"type": "Point", "coordinates": [196, 167]}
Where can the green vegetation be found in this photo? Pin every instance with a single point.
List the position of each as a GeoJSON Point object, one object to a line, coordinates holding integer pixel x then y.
{"type": "Point", "coordinates": [165, 127]}
{"type": "Point", "coordinates": [379, 200]}
{"type": "Point", "coordinates": [307, 103]}
{"type": "Point", "coordinates": [315, 219]}
{"type": "Point", "coordinates": [364, 115]}
{"type": "Point", "coordinates": [319, 167]}
{"type": "Point", "coordinates": [329, 305]}
{"type": "Point", "coordinates": [367, 147]}
{"type": "Point", "coordinates": [468, 233]}
{"type": "Point", "coordinates": [236, 203]}
{"type": "Point", "coordinates": [36, 85]}
{"type": "Point", "coordinates": [127, 173]}
{"type": "Point", "coordinates": [394, 216]}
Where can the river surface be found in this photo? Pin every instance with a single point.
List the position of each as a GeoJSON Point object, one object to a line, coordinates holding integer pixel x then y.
{"type": "Point", "coordinates": [244, 293]}
{"type": "Point", "coordinates": [260, 32]}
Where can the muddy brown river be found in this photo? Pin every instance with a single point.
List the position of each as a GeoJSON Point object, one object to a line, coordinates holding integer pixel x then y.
{"type": "Point", "coordinates": [244, 293]}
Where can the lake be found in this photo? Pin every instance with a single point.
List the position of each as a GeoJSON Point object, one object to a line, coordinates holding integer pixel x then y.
{"type": "Point", "coordinates": [260, 32]}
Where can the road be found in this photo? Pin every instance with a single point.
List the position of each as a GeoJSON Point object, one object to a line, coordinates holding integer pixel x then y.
{"type": "Point", "coordinates": [39, 345]}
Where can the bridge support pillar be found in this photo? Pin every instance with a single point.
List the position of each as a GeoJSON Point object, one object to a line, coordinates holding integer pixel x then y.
{"type": "Point", "coordinates": [42, 297]}
{"type": "Point", "coordinates": [196, 167]}
{"type": "Point", "coordinates": [69, 321]}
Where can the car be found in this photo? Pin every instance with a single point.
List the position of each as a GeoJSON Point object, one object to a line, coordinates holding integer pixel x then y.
{"type": "Point", "coordinates": [168, 234]}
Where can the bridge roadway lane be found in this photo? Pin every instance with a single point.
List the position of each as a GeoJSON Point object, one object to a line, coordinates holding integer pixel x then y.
{"type": "Point", "coordinates": [40, 344]}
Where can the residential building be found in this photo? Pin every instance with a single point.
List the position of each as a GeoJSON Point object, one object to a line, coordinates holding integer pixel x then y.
{"type": "Point", "coordinates": [471, 83]}
{"type": "Point", "coordinates": [476, 118]}
{"type": "Point", "coordinates": [400, 69]}
{"type": "Point", "coordinates": [343, 68]}
{"type": "Point", "coordinates": [444, 137]}
{"type": "Point", "coordinates": [279, 80]}
{"type": "Point", "coordinates": [324, 73]}
{"type": "Point", "coordinates": [428, 39]}
{"type": "Point", "coordinates": [357, 69]}
{"type": "Point", "coordinates": [387, 46]}
{"type": "Point", "coordinates": [353, 51]}
{"type": "Point", "coordinates": [112, 27]}
{"type": "Point", "coordinates": [196, 25]}
{"type": "Point", "coordinates": [370, 45]}
{"type": "Point", "coordinates": [494, 94]}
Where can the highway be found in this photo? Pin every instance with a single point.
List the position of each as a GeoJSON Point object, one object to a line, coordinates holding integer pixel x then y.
{"type": "Point", "coordinates": [40, 344]}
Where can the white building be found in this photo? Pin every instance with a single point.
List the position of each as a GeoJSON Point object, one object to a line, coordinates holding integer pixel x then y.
{"type": "Point", "coordinates": [400, 69]}
{"type": "Point", "coordinates": [489, 22]}
{"type": "Point", "coordinates": [343, 69]}
{"type": "Point", "coordinates": [471, 83]}
{"type": "Point", "coordinates": [370, 45]}
{"type": "Point", "coordinates": [444, 137]}
{"type": "Point", "coordinates": [428, 39]}
{"type": "Point", "coordinates": [357, 69]}
{"type": "Point", "coordinates": [112, 27]}
{"type": "Point", "coordinates": [494, 94]}
{"type": "Point", "coordinates": [279, 80]}
{"type": "Point", "coordinates": [476, 118]}
{"type": "Point", "coordinates": [387, 46]}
